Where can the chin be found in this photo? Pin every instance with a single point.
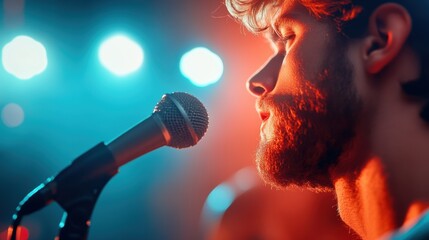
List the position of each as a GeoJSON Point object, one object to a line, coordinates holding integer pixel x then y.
{"type": "Point", "coordinates": [288, 168]}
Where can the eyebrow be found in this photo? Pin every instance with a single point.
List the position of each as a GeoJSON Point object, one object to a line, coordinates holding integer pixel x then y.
{"type": "Point", "coordinates": [286, 18]}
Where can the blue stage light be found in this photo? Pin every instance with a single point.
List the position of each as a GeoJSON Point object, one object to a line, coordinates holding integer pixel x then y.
{"type": "Point", "coordinates": [201, 66]}
{"type": "Point", "coordinates": [120, 55]}
{"type": "Point", "coordinates": [24, 57]}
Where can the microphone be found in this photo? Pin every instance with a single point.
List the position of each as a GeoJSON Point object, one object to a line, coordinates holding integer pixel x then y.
{"type": "Point", "coordinates": [178, 120]}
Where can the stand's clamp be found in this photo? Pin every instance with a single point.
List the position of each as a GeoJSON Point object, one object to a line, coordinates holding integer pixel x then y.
{"type": "Point", "coordinates": [78, 200]}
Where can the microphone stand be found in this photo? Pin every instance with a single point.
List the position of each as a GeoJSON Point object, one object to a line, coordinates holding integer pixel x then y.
{"type": "Point", "coordinates": [75, 222]}
{"type": "Point", "coordinates": [78, 193]}
{"type": "Point", "coordinates": [79, 201]}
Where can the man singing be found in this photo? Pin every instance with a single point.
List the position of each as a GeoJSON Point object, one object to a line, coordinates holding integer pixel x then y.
{"type": "Point", "coordinates": [344, 106]}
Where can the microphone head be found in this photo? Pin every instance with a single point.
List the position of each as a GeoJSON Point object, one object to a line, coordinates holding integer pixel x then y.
{"type": "Point", "coordinates": [185, 118]}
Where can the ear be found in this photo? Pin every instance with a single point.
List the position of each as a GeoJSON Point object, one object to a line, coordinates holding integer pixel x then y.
{"type": "Point", "coordinates": [389, 27]}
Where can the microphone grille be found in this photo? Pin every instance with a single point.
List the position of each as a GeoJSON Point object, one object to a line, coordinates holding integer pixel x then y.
{"type": "Point", "coordinates": [185, 118]}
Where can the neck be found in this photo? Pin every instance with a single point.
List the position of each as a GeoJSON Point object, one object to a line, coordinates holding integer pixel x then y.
{"type": "Point", "coordinates": [364, 202]}
{"type": "Point", "coordinates": [367, 203]}
{"type": "Point", "coordinates": [381, 179]}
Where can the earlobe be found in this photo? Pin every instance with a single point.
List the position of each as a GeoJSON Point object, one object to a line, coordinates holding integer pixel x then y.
{"type": "Point", "coordinates": [389, 27]}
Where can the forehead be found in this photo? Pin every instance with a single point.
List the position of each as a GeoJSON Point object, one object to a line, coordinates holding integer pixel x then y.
{"type": "Point", "coordinates": [289, 10]}
{"type": "Point", "coordinates": [287, 13]}
{"type": "Point", "coordinates": [294, 17]}
{"type": "Point", "coordinates": [294, 11]}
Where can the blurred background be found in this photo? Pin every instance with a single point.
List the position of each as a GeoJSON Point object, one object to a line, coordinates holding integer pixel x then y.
{"type": "Point", "coordinates": [79, 72]}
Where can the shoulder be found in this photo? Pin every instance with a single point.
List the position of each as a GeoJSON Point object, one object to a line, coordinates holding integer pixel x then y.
{"type": "Point", "coordinates": [419, 231]}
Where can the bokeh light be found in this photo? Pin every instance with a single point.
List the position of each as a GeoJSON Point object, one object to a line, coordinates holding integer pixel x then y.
{"type": "Point", "coordinates": [201, 66]}
{"type": "Point", "coordinates": [245, 179]}
{"type": "Point", "coordinates": [24, 57]}
{"type": "Point", "coordinates": [220, 198]}
{"type": "Point", "coordinates": [21, 234]}
{"type": "Point", "coordinates": [12, 115]}
{"type": "Point", "coordinates": [120, 55]}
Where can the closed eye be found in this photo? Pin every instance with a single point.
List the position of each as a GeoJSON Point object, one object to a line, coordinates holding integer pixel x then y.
{"type": "Point", "coordinates": [279, 42]}
{"type": "Point", "coordinates": [286, 40]}
{"type": "Point", "coordinates": [282, 44]}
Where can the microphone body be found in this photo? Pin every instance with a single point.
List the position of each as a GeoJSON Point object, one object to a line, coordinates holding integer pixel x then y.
{"type": "Point", "coordinates": [146, 136]}
{"type": "Point", "coordinates": [179, 120]}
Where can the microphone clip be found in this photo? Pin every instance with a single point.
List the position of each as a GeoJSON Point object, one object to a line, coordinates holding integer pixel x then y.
{"type": "Point", "coordinates": [79, 201]}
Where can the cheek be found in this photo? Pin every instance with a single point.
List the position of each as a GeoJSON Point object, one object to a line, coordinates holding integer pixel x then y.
{"type": "Point", "coordinates": [311, 61]}
{"type": "Point", "coordinates": [314, 51]}
{"type": "Point", "coordinates": [290, 75]}
{"type": "Point", "coordinates": [303, 63]}
{"type": "Point", "coordinates": [298, 69]}
{"type": "Point", "coordinates": [287, 79]}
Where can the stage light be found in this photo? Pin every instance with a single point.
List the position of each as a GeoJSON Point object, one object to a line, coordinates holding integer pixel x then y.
{"type": "Point", "coordinates": [120, 55]}
{"type": "Point", "coordinates": [12, 115]}
{"type": "Point", "coordinates": [220, 198]}
{"type": "Point", "coordinates": [201, 66]}
{"type": "Point", "coordinates": [24, 57]}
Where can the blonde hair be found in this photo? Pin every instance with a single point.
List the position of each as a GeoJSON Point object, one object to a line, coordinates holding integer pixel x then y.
{"type": "Point", "coordinates": [257, 15]}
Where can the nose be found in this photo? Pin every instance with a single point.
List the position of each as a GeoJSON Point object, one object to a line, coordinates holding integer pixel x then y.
{"type": "Point", "coordinates": [265, 79]}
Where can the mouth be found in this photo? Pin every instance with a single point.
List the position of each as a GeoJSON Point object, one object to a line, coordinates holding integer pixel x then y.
{"type": "Point", "coordinates": [264, 116]}
{"type": "Point", "coordinates": [262, 110]}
